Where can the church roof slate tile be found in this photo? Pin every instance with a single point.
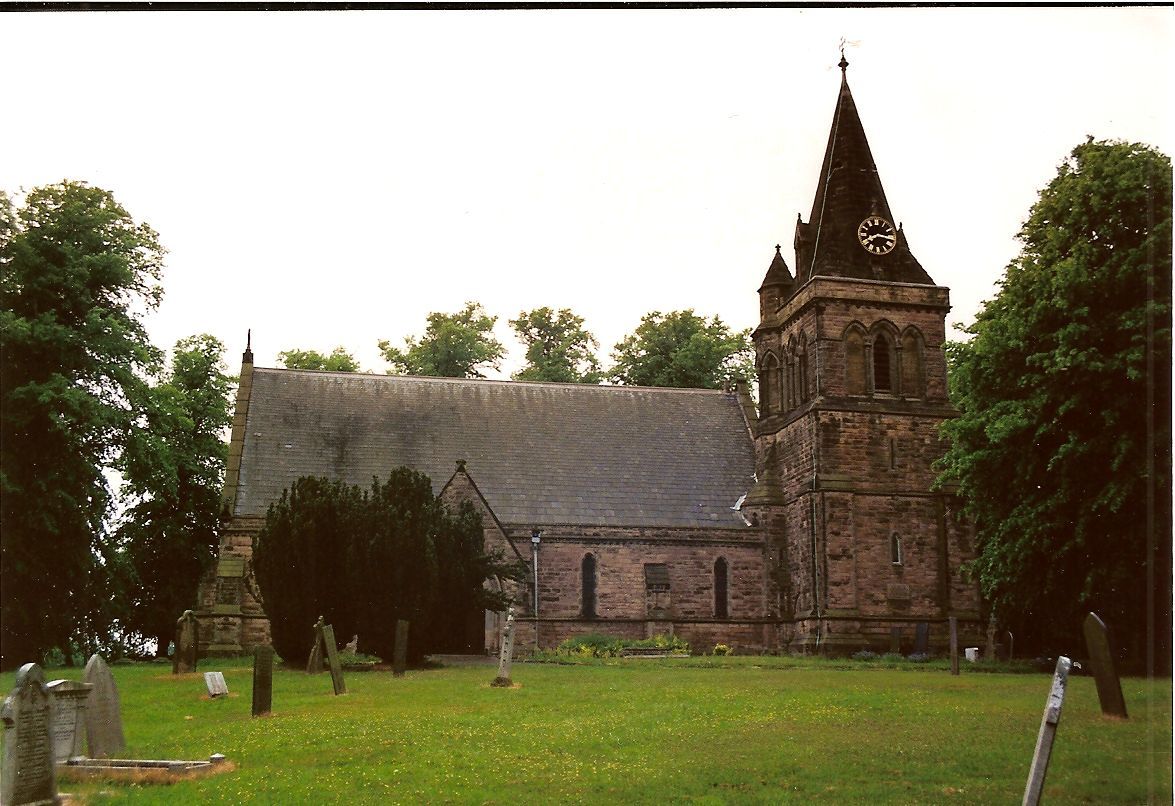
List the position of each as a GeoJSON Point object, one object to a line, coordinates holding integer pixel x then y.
{"type": "Point", "coordinates": [541, 453]}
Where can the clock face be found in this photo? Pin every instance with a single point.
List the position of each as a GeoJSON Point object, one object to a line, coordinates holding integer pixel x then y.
{"type": "Point", "coordinates": [877, 235]}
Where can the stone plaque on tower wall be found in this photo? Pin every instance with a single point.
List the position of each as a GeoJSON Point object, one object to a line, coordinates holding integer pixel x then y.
{"type": "Point", "coordinates": [28, 774]}
{"type": "Point", "coordinates": [103, 712]}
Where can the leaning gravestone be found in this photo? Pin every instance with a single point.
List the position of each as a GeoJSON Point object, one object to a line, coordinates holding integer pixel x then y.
{"type": "Point", "coordinates": [507, 655]}
{"type": "Point", "coordinates": [215, 684]}
{"type": "Point", "coordinates": [400, 650]}
{"type": "Point", "coordinates": [314, 665]}
{"type": "Point", "coordinates": [262, 680]}
{"type": "Point", "coordinates": [103, 712]}
{"type": "Point", "coordinates": [1048, 732]}
{"type": "Point", "coordinates": [28, 775]}
{"type": "Point", "coordinates": [1101, 658]}
{"type": "Point", "coordinates": [69, 717]}
{"type": "Point", "coordinates": [922, 639]}
{"type": "Point", "coordinates": [186, 643]}
{"type": "Point", "coordinates": [332, 657]}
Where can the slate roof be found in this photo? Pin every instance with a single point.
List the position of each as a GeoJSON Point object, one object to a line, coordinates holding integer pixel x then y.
{"type": "Point", "coordinates": [847, 192]}
{"type": "Point", "coordinates": [541, 453]}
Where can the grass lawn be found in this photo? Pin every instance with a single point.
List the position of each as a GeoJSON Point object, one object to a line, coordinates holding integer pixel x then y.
{"type": "Point", "coordinates": [721, 730]}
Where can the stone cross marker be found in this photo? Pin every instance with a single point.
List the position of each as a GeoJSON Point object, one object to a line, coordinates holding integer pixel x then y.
{"type": "Point", "coordinates": [28, 774]}
{"type": "Point", "coordinates": [1048, 731]}
{"type": "Point", "coordinates": [1101, 658]}
{"type": "Point", "coordinates": [954, 622]}
{"type": "Point", "coordinates": [69, 717]}
{"type": "Point", "coordinates": [506, 658]}
{"type": "Point", "coordinates": [400, 651]}
{"type": "Point", "coordinates": [215, 683]}
{"type": "Point", "coordinates": [186, 643]}
{"type": "Point", "coordinates": [262, 680]}
{"type": "Point", "coordinates": [314, 665]}
{"type": "Point", "coordinates": [332, 657]}
{"type": "Point", "coordinates": [922, 638]}
{"type": "Point", "coordinates": [103, 712]}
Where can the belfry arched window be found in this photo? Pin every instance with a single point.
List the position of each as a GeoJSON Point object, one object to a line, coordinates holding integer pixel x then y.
{"type": "Point", "coordinates": [588, 575]}
{"type": "Point", "coordinates": [913, 384]}
{"type": "Point", "coordinates": [721, 608]}
{"type": "Point", "coordinates": [854, 342]}
{"type": "Point", "coordinates": [769, 397]}
{"type": "Point", "coordinates": [884, 362]}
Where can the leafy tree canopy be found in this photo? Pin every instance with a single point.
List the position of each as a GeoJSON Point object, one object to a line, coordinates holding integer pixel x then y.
{"type": "Point", "coordinates": [338, 361]}
{"type": "Point", "coordinates": [558, 347]}
{"type": "Point", "coordinates": [363, 559]}
{"type": "Point", "coordinates": [457, 345]}
{"type": "Point", "coordinates": [173, 471]}
{"type": "Point", "coordinates": [684, 350]}
{"type": "Point", "coordinates": [1062, 449]}
{"type": "Point", "coordinates": [76, 275]}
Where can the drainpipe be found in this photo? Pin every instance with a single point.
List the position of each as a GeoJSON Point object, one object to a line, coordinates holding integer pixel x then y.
{"type": "Point", "coordinates": [535, 539]}
{"type": "Point", "coordinates": [812, 515]}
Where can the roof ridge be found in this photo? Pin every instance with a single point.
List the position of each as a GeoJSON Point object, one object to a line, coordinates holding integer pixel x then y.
{"type": "Point", "coordinates": [499, 381]}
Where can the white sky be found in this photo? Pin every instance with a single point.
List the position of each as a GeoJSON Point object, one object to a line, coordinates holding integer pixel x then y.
{"type": "Point", "coordinates": [329, 178]}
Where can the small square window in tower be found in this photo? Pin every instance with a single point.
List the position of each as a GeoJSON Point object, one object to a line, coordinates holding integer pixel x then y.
{"type": "Point", "coordinates": [656, 590]}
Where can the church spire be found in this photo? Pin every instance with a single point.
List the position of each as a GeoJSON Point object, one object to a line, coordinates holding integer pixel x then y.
{"type": "Point", "coordinates": [851, 231]}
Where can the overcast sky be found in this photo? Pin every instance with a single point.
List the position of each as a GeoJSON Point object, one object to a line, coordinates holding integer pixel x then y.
{"type": "Point", "coordinates": [329, 178]}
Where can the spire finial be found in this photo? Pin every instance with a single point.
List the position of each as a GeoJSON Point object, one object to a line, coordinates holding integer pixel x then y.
{"type": "Point", "coordinates": [844, 63]}
{"type": "Point", "coordinates": [777, 248]}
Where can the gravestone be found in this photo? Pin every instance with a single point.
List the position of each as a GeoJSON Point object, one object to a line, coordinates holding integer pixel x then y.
{"type": "Point", "coordinates": [1010, 651]}
{"type": "Point", "coordinates": [262, 680]}
{"type": "Point", "coordinates": [1048, 732]}
{"type": "Point", "coordinates": [314, 665]}
{"type": "Point", "coordinates": [28, 774]}
{"type": "Point", "coordinates": [103, 712]}
{"type": "Point", "coordinates": [895, 640]}
{"type": "Point", "coordinates": [506, 658]}
{"type": "Point", "coordinates": [332, 657]}
{"type": "Point", "coordinates": [352, 646]}
{"type": "Point", "coordinates": [400, 651]}
{"type": "Point", "coordinates": [989, 650]}
{"type": "Point", "coordinates": [954, 623]}
{"type": "Point", "coordinates": [922, 639]}
{"type": "Point", "coordinates": [1101, 658]}
{"type": "Point", "coordinates": [186, 643]}
{"type": "Point", "coordinates": [215, 684]}
{"type": "Point", "coordinates": [69, 717]}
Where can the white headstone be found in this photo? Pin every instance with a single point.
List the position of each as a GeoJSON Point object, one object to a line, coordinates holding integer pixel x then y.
{"type": "Point", "coordinates": [69, 717]}
{"type": "Point", "coordinates": [215, 683]}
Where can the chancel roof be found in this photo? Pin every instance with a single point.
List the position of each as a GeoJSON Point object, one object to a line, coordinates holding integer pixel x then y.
{"type": "Point", "coordinates": [541, 453]}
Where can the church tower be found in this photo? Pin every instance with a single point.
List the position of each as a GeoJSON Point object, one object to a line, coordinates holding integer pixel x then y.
{"type": "Point", "coordinates": [852, 391]}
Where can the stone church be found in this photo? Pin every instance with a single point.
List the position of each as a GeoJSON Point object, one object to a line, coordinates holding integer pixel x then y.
{"type": "Point", "coordinates": [806, 524]}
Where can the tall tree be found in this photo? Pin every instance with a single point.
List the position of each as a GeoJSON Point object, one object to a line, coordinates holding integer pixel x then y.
{"type": "Point", "coordinates": [76, 275]}
{"type": "Point", "coordinates": [684, 350]}
{"type": "Point", "coordinates": [1062, 449]}
{"type": "Point", "coordinates": [173, 470]}
{"type": "Point", "coordinates": [454, 345]}
{"type": "Point", "coordinates": [363, 559]}
{"type": "Point", "coordinates": [558, 347]}
{"type": "Point", "coordinates": [338, 361]}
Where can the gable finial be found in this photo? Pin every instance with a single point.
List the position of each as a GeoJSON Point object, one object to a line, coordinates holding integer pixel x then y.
{"type": "Point", "coordinates": [247, 356]}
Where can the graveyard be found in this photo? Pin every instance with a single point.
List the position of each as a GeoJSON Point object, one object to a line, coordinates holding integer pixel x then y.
{"type": "Point", "coordinates": [702, 729]}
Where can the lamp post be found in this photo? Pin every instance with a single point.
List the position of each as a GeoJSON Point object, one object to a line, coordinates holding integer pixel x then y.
{"type": "Point", "coordinates": [535, 538]}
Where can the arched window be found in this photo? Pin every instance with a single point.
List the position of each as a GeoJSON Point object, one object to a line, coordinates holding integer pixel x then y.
{"type": "Point", "coordinates": [721, 610]}
{"type": "Point", "coordinates": [895, 549]}
{"type": "Point", "coordinates": [769, 400]}
{"type": "Point", "coordinates": [588, 570]}
{"type": "Point", "coordinates": [854, 362]}
{"type": "Point", "coordinates": [883, 363]}
{"type": "Point", "coordinates": [805, 390]}
{"type": "Point", "coordinates": [912, 383]}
